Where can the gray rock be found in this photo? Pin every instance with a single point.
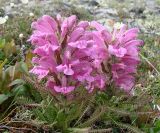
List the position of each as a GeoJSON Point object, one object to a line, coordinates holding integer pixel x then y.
{"type": "Point", "coordinates": [93, 3]}
{"type": "Point", "coordinates": [2, 12]}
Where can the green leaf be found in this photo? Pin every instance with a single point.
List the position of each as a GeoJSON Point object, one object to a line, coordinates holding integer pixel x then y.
{"type": "Point", "coordinates": [50, 114]}
{"type": "Point", "coordinates": [3, 97]}
{"type": "Point", "coordinates": [24, 67]}
{"type": "Point", "coordinates": [24, 100]}
{"type": "Point", "coordinates": [2, 43]}
{"type": "Point", "coordinates": [16, 82]}
{"type": "Point", "coordinates": [61, 120]}
{"type": "Point", "coordinates": [3, 63]}
{"type": "Point", "coordinates": [38, 113]}
{"type": "Point", "coordinates": [157, 124]}
{"type": "Point", "coordinates": [129, 127]}
{"type": "Point", "coordinates": [19, 90]}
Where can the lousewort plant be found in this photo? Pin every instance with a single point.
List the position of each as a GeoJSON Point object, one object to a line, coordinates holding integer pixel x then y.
{"type": "Point", "coordinates": [71, 54]}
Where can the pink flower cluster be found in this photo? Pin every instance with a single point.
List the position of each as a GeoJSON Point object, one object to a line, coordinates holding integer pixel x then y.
{"type": "Point", "coordinates": [125, 49]}
{"type": "Point", "coordinates": [70, 54]}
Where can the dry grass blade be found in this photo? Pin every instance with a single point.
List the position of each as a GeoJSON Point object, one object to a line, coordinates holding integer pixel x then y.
{"type": "Point", "coordinates": [109, 130]}
{"type": "Point", "coordinates": [14, 129]}
{"type": "Point", "coordinates": [150, 64]}
{"type": "Point", "coordinates": [79, 119]}
{"type": "Point", "coordinates": [94, 117]}
{"type": "Point", "coordinates": [129, 127]}
{"type": "Point", "coordinates": [35, 84]}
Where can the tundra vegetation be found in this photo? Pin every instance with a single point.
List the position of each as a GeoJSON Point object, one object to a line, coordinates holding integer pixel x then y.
{"type": "Point", "coordinates": [72, 71]}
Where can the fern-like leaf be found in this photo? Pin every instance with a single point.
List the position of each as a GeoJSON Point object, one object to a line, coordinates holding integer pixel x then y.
{"type": "Point", "coordinates": [129, 127]}
{"type": "Point", "coordinates": [24, 100]}
{"type": "Point", "coordinates": [94, 117]}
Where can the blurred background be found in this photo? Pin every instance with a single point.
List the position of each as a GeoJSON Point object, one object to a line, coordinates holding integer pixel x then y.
{"type": "Point", "coordinates": [144, 14]}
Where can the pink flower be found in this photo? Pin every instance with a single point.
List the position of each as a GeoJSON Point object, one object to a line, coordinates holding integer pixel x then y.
{"type": "Point", "coordinates": [40, 71]}
{"type": "Point", "coordinates": [118, 52]}
{"type": "Point", "coordinates": [79, 44]}
{"type": "Point", "coordinates": [64, 90]}
{"type": "Point", "coordinates": [70, 54]}
{"type": "Point", "coordinates": [67, 70]}
{"type": "Point", "coordinates": [60, 89]}
{"type": "Point", "coordinates": [66, 50]}
{"type": "Point", "coordinates": [125, 48]}
{"type": "Point", "coordinates": [122, 44]}
{"type": "Point", "coordinates": [67, 25]}
{"type": "Point", "coordinates": [120, 69]}
{"type": "Point", "coordinates": [126, 82]}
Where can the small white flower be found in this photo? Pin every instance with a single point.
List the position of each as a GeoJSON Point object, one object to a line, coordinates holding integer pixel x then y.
{"type": "Point", "coordinates": [21, 36]}
{"type": "Point", "coordinates": [31, 14]}
{"type": "Point", "coordinates": [6, 17]}
{"type": "Point", "coordinates": [24, 1]}
{"type": "Point", "coordinates": [12, 5]}
{"type": "Point", "coordinates": [118, 25]}
{"type": "Point", "coordinates": [2, 20]}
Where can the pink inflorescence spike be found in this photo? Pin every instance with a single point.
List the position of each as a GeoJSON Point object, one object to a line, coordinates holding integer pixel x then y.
{"type": "Point", "coordinates": [70, 54]}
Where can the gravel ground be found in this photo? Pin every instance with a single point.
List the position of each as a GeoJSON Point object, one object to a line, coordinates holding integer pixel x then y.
{"type": "Point", "coordinates": [144, 14]}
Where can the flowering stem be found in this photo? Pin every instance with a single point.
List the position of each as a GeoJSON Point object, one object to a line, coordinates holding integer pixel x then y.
{"type": "Point", "coordinates": [58, 57]}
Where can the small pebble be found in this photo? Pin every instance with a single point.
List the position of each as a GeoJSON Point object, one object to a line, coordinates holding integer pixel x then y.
{"type": "Point", "coordinates": [24, 1]}
{"type": "Point", "coordinates": [3, 20]}
{"type": "Point", "coordinates": [23, 46]}
{"type": "Point", "coordinates": [12, 5]}
{"type": "Point", "coordinates": [6, 17]}
{"type": "Point", "coordinates": [21, 36]}
{"type": "Point", "coordinates": [31, 14]}
{"type": "Point", "coordinates": [151, 76]}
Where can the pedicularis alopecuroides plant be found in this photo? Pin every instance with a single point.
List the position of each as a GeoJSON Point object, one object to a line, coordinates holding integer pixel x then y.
{"type": "Point", "coordinates": [73, 61]}
{"type": "Point", "coordinates": [72, 55]}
